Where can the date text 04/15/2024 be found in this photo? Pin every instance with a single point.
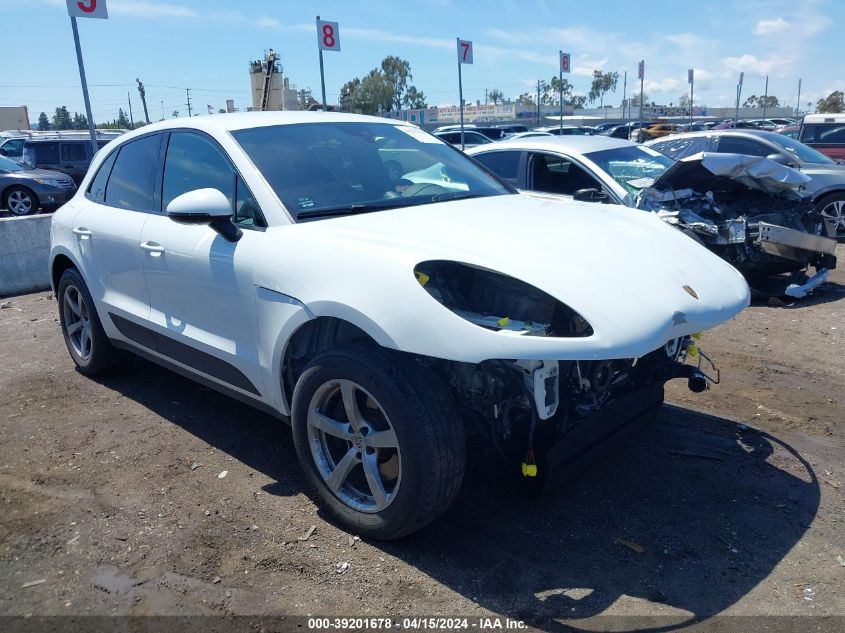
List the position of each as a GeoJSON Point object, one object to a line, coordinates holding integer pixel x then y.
{"type": "Point", "coordinates": [416, 623]}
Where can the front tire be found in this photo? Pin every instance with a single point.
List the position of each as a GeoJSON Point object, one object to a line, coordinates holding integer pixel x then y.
{"type": "Point", "coordinates": [21, 201]}
{"type": "Point", "coordinates": [86, 341]}
{"type": "Point", "coordinates": [379, 440]}
{"type": "Point", "coordinates": [833, 206]}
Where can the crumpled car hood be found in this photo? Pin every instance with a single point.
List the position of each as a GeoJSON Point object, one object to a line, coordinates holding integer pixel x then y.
{"type": "Point", "coordinates": [699, 170]}
{"type": "Point", "coordinates": [623, 270]}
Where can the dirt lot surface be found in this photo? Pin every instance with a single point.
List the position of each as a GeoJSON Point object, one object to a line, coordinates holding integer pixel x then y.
{"type": "Point", "coordinates": [113, 498]}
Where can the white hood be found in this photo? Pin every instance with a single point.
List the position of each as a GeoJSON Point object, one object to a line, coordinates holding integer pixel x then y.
{"type": "Point", "coordinates": [623, 270]}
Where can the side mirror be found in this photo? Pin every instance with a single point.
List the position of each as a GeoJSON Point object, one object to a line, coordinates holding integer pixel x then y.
{"type": "Point", "coordinates": [590, 195]}
{"type": "Point", "coordinates": [205, 206]}
{"type": "Point", "coordinates": [782, 159]}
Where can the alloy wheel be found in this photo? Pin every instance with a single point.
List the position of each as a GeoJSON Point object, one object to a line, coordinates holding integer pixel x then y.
{"type": "Point", "coordinates": [77, 322]}
{"type": "Point", "coordinates": [354, 446]}
{"type": "Point", "coordinates": [19, 202]}
{"type": "Point", "coordinates": [836, 211]}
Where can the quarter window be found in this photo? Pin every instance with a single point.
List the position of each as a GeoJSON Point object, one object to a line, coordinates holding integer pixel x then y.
{"type": "Point", "coordinates": [97, 190]}
{"type": "Point", "coordinates": [132, 181]}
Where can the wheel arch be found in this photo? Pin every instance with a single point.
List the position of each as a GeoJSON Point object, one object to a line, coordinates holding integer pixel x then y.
{"type": "Point", "coordinates": [819, 195]}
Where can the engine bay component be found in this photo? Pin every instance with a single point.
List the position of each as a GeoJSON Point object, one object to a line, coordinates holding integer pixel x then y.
{"type": "Point", "coordinates": [498, 302]}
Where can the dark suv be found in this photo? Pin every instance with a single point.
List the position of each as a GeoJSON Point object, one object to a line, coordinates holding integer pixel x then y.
{"type": "Point", "coordinates": [67, 155]}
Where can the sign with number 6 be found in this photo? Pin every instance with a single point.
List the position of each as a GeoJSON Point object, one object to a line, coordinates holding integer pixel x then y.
{"type": "Point", "coordinates": [564, 63]}
{"type": "Point", "coordinates": [328, 36]}
{"type": "Point", "coordinates": [87, 9]}
{"type": "Point", "coordinates": [464, 52]}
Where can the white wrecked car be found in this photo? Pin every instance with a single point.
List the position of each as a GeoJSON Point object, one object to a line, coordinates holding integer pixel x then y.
{"type": "Point", "coordinates": [749, 210]}
{"type": "Point", "coordinates": [284, 259]}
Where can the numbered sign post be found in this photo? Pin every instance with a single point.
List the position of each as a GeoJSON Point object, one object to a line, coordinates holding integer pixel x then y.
{"type": "Point", "coordinates": [328, 39]}
{"type": "Point", "coordinates": [464, 57]}
{"type": "Point", "coordinates": [85, 9]}
{"type": "Point", "coordinates": [564, 67]}
{"type": "Point", "coordinates": [641, 73]}
{"type": "Point", "coordinates": [691, 81]}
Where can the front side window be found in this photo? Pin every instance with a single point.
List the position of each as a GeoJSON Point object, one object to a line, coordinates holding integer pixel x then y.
{"type": "Point", "coordinates": [132, 181]}
{"type": "Point", "coordinates": [73, 152]}
{"type": "Point", "coordinates": [634, 167]}
{"type": "Point", "coordinates": [555, 174]}
{"type": "Point", "coordinates": [741, 145]}
{"type": "Point", "coordinates": [337, 168]}
{"type": "Point", "coordinates": [13, 147]}
{"type": "Point", "coordinates": [193, 162]}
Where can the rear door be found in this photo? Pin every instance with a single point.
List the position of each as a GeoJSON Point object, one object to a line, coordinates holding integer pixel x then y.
{"type": "Point", "coordinates": [202, 294]}
{"type": "Point", "coordinates": [74, 158]}
{"type": "Point", "coordinates": [107, 233]}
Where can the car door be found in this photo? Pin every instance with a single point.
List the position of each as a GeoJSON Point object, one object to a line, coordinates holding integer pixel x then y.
{"type": "Point", "coordinates": [202, 294]}
{"type": "Point", "coordinates": [74, 159]}
{"type": "Point", "coordinates": [107, 231]}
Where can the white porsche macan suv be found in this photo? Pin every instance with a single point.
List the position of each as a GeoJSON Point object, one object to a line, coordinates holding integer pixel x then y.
{"type": "Point", "coordinates": [383, 293]}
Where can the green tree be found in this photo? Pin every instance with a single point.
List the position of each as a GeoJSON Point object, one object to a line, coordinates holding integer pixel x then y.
{"type": "Point", "coordinates": [414, 99]}
{"type": "Point", "coordinates": [396, 73]}
{"type": "Point", "coordinates": [578, 102]}
{"type": "Point", "coordinates": [761, 102]}
{"type": "Point", "coordinates": [80, 121]}
{"type": "Point", "coordinates": [61, 119]}
{"type": "Point", "coordinates": [122, 121]}
{"type": "Point", "coordinates": [221, 111]}
{"type": "Point", "coordinates": [526, 98]}
{"type": "Point", "coordinates": [602, 84]}
{"type": "Point", "coordinates": [43, 122]}
{"type": "Point", "coordinates": [495, 95]}
{"type": "Point", "coordinates": [834, 102]}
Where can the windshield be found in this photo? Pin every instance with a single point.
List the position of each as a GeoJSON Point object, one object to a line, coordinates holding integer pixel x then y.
{"type": "Point", "coordinates": [335, 168]}
{"type": "Point", "coordinates": [633, 167]}
{"type": "Point", "coordinates": [7, 164]}
{"type": "Point", "coordinates": [804, 153]}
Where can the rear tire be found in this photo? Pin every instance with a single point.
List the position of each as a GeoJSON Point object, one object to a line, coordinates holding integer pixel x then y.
{"type": "Point", "coordinates": [86, 341]}
{"type": "Point", "coordinates": [399, 463]}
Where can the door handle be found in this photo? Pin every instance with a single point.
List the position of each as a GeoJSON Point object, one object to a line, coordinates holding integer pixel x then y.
{"type": "Point", "coordinates": [82, 232]}
{"type": "Point", "coordinates": [154, 248]}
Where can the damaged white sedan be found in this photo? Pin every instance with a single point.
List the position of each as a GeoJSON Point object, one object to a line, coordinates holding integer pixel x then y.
{"type": "Point", "coordinates": [749, 210]}
{"type": "Point", "coordinates": [285, 259]}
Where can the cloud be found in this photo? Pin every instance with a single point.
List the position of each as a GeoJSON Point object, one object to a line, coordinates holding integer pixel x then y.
{"type": "Point", "coordinates": [388, 36]}
{"type": "Point", "coordinates": [768, 27]}
{"type": "Point", "coordinates": [752, 64]}
{"type": "Point", "coordinates": [151, 10]}
{"type": "Point", "coordinates": [666, 84]}
{"type": "Point", "coordinates": [267, 23]}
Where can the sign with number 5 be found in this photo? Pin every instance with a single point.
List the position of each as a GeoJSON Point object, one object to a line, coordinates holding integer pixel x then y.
{"type": "Point", "coordinates": [328, 36]}
{"type": "Point", "coordinates": [464, 52]}
{"type": "Point", "coordinates": [87, 9]}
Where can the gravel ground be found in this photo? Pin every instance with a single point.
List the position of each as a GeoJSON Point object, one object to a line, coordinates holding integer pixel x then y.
{"type": "Point", "coordinates": [114, 498]}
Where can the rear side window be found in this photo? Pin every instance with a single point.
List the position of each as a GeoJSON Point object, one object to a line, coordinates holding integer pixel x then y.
{"type": "Point", "coordinates": [46, 153]}
{"type": "Point", "coordinates": [132, 181]}
{"type": "Point", "coordinates": [97, 190]}
{"type": "Point", "coordinates": [829, 133]}
{"type": "Point", "coordinates": [73, 152]}
{"type": "Point", "coordinates": [193, 162]}
{"type": "Point", "coordinates": [504, 164]}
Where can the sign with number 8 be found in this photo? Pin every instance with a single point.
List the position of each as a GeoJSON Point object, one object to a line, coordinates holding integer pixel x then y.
{"type": "Point", "coordinates": [328, 36]}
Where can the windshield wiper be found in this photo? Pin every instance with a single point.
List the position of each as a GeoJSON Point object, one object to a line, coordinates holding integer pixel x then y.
{"type": "Point", "coordinates": [448, 197]}
{"type": "Point", "coordinates": [350, 209]}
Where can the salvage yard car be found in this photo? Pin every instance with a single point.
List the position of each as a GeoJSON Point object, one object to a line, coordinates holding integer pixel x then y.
{"type": "Point", "coordinates": [275, 257]}
{"type": "Point", "coordinates": [746, 209]}
{"type": "Point", "coordinates": [826, 186]}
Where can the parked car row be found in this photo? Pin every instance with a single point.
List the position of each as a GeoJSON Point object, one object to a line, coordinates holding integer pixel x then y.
{"type": "Point", "coordinates": [42, 171]}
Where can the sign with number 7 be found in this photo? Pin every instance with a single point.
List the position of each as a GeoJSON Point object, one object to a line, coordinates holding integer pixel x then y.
{"type": "Point", "coordinates": [464, 52]}
{"type": "Point", "coordinates": [328, 36]}
{"type": "Point", "coordinates": [87, 9]}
